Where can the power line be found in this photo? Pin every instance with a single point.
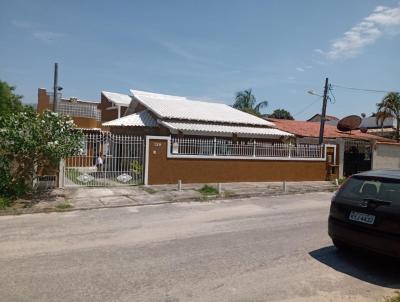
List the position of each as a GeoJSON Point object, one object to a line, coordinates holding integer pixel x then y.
{"type": "Point", "coordinates": [334, 98]}
{"type": "Point", "coordinates": [362, 89]}
{"type": "Point", "coordinates": [308, 106]}
{"type": "Point", "coordinates": [343, 87]}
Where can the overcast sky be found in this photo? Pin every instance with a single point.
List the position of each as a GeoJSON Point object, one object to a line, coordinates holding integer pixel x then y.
{"type": "Point", "coordinates": [206, 49]}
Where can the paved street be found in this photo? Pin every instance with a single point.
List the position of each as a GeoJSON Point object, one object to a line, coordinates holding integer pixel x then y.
{"type": "Point", "coordinates": [255, 249]}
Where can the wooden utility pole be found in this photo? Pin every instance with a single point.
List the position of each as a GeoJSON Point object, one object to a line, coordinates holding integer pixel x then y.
{"type": "Point", "coordinates": [55, 87]}
{"type": "Point", "coordinates": [323, 115]}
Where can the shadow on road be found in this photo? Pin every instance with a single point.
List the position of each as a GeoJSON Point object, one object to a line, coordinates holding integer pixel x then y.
{"type": "Point", "coordinates": [374, 269]}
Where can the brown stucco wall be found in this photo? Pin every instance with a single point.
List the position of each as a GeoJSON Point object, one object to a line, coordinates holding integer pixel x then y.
{"type": "Point", "coordinates": [110, 113]}
{"type": "Point", "coordinates": [86, 122]}
{"type": "Point", "coordinates": [43, 100]}
{"type": "Point", "coordinates": [80, 122]}
{"type": "Point", "coordinates": [163, 170]}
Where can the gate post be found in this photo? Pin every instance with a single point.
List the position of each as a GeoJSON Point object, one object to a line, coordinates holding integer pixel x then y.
{"type": "Point", "coordinates": [61, 171]}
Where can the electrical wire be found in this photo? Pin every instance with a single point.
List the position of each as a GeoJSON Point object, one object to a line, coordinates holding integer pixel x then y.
{"type": "Point", "coordinates": [362, 89]}
{"type": "Point", "coordinates": [308, 106]}
{"type": "Point", "coordinates": [331, 92]}
{"type": "Point", "coordinates": [343, 87]}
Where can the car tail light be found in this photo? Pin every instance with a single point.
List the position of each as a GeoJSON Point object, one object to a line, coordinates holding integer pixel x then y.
{"type": "Point", "coordinates": [341, 187]}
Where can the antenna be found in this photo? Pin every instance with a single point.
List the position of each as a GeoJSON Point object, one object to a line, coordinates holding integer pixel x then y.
{"type": "Point", "coordinates": [349, 123]}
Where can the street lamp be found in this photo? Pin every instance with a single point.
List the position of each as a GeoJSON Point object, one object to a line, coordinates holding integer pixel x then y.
{"type": "Point", "coordinates": [312, 92]}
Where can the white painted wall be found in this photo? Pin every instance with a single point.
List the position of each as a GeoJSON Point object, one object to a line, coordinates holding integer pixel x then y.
{"type": "Point", "coordinates": [386, 156]}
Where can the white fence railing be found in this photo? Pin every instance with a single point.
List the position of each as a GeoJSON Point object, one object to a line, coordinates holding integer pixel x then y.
{"type": "Point", "coordinates": [216, 147]}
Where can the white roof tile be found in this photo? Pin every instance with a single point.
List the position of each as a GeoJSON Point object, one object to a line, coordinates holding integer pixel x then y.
{"type": "Point", "coordinates": [197, 128]}
{"type": "Point", "coordinates": [176, 107]}
{"type": "Point", "coordinates": [118, 98]}
{"type": "Point", "coordinates": [141, 119]}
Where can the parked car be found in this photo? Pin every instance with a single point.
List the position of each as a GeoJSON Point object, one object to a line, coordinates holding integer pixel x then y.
{"type": "Point", "coordinates": [365, 213]}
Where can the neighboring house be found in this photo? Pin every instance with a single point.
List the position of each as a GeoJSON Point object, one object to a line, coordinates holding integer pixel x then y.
{"type": "Point", "coordinates": [85, 114]}
{"type": "Point", "coordinates": [113, 105]}
{"type": "Point", "coordinates": [160, 114]}
{"type": "Point", "coordinates": [355, 147]}
{"type": "Point", "coordinates": [329, 119]}
{"type": "Point", "coordinates": [385, 129]}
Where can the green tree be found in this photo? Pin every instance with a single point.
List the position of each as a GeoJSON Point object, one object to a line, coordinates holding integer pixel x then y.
{"type": "Point", "coordinates": [281, 114]}
{"type": "Point", "coordinates": [246, 101]}
{"type": "Point", "coordinates": [389, 107]}
{"type": "Point", "coordinates": [9, 101]}
{"type": "Point", "coordinates": [28, 141]}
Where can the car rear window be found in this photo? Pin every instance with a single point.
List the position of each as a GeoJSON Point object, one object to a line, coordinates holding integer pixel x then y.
{"type": "Point", "coordinates": [359, 189]}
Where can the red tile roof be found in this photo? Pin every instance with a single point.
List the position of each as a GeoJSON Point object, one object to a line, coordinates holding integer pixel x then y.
{"type": "Point", "coordinates": [328, 117]}
{"type": "Point", "coordinates": [311, 129]}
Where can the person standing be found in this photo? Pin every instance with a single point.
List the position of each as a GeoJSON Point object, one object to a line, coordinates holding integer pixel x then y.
{"type": "Point", "coordinates": [99, 162]}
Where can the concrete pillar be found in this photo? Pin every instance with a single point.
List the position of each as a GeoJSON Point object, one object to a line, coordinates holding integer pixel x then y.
{"type": "Point", "coordinates": [340, 142]}
{"type": "Point", "coordinates": [61, 174]}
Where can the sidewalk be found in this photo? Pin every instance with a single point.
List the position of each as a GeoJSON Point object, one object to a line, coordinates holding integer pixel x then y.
{"type": "Point", "coordinates": [83, 198]}
{"type": "Point", "coordinates": [86, 198]}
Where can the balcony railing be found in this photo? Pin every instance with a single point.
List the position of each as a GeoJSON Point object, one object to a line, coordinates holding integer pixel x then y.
{"type": "Point", "coordinates": [78, 109]}
{"type": "Point", "coordinates": [215, 147]}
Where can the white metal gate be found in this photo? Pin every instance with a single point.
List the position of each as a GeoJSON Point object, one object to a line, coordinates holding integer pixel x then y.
{"type": "Point", "coordinates": [106, 159]}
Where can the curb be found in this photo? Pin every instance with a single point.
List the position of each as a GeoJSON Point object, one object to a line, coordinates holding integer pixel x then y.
{"type": "Point", "coordinates": [17, 212]}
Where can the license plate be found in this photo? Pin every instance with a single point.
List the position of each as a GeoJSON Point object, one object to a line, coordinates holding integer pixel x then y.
{"type": "Point", "coordinates": [361, 217]}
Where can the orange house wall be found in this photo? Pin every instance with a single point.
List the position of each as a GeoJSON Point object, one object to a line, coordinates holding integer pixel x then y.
{"type": "Point", "coordinates": [163, 170]}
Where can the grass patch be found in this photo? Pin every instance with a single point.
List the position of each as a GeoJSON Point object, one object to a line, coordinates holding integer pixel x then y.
{"type": "Point", "coordinates": [64, 206]}
{"type": "Point", "coordinates": [5, 203]}
{"type": "Point", "coordinates": [395, 298]}
{"type": "Point", "coordinates": [341, 180]}
{"type": "Point", "coordinates": [149, 190]}
{"type": "Point", "coordinates": [208, 190]}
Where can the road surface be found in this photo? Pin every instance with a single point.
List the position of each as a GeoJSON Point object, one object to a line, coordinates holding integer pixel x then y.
{"type": "Point", "coordinates": [256, 249]}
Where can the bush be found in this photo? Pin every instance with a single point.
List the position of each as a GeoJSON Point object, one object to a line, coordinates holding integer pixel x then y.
{"type": "Point", "coordinates": [208, 190]}
{"type": "Point", "coordinates": [64, 206]}
{"type": "Point", "coordinates": [4, 203]}
{"type": "Point", "coordinates": [29, 140]}
{"type": "Point", "coordinates": [341, 180]}
{"type": "Point", "coordinates": [10, 187]}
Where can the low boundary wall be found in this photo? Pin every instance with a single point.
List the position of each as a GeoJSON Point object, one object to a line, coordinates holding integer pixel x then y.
{"type": "Point", "coordinates": [162, 167]}
{"type": "Point", "coordinates": [386, 156]}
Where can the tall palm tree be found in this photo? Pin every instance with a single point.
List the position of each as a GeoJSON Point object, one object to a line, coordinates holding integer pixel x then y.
{"type": "Point", "coordinates": [246, 101]}
{"type": "Point", "coordinates": [389, 107]}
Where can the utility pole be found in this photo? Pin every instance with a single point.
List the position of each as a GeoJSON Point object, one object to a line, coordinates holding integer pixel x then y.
{"type": "Point", "coordinates": [323, 115]}
{"type": "Point", "coordinates": [55, 87]}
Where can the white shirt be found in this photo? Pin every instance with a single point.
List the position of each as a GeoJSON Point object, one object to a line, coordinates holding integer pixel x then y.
{"type": "Point", "coordinates": [99, 161]}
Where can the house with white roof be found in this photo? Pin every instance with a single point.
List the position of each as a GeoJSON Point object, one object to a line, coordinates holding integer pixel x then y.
{"type": "Point", "coordinates": [387, 128]}
{"type": "Point", "coordinates": [113, 105]}
{"type": "Point", "coordinates": [160, 114]}
{"type": "Point", "coordinates": [163, 139]}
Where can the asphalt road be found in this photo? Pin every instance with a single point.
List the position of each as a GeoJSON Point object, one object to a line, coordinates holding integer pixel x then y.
{"type": "Point", "coordinates": [257, 249]}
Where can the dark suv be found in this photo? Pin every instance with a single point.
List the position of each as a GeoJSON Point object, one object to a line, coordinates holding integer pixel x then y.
{"type": "Point", "coordinates": [365, 212]}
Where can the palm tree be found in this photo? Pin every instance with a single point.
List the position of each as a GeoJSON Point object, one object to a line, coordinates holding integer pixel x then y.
{"type": "Point", "coordinates": [389, 107]}
{"type": "Point", "coordinates": [246, 101]}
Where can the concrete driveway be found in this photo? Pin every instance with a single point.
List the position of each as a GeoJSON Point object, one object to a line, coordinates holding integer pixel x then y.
{"type": "Point", "coordinates": [255, 249]}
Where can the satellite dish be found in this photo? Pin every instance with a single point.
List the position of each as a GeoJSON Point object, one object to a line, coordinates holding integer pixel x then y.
{"type": "Point", "coordinates": [349, 123]}
{"type": "Point", "coordinates": [363, 129]}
